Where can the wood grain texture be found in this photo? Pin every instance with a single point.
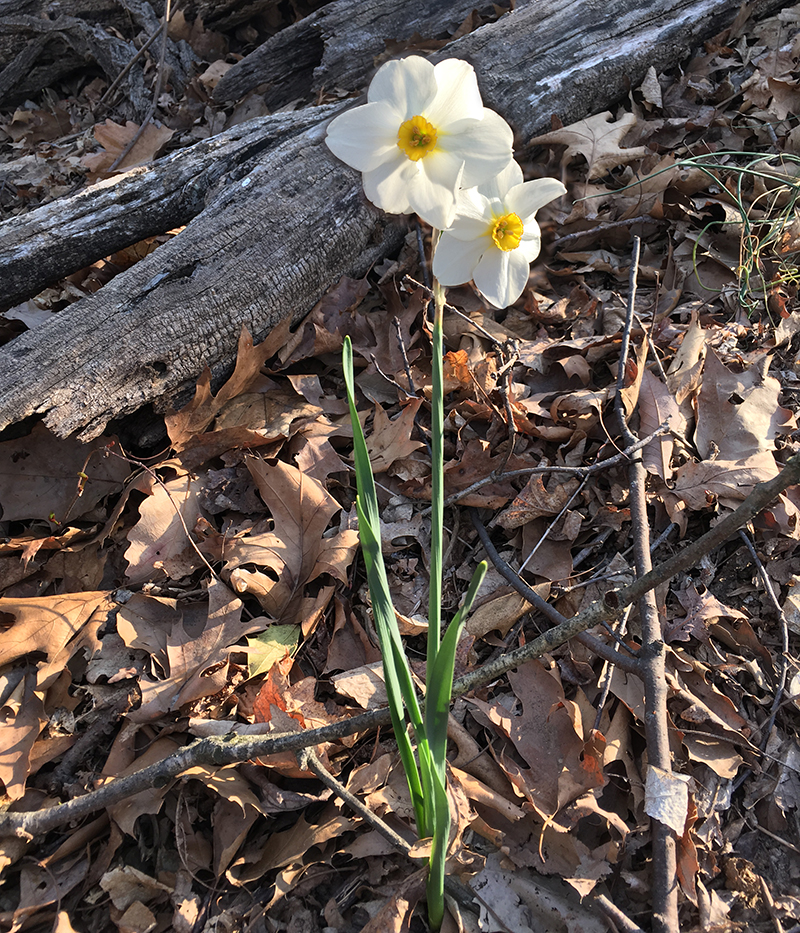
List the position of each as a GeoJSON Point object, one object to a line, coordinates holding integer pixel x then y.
{"type": "Point", "coordinates": [270, 242]}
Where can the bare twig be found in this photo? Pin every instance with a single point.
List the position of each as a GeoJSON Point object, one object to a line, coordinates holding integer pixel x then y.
{"type": "Point", "coordinates": [579, 471]}
{"type": "Point", "coordinates": [652, 656]}
{"type": "Point", "coordinates": [781, 685]}
{"type": "Point", "coordinates": [307, 759]}
{"type": "Point", "coordinates": [614, 913]}
{"type": "Point", "coordinates": [554, 522]}
{"type": "Point", "coordinates": [103, 102]}
{"type": "Point", "coordinates": [156, 92]}
{"type": "Point", "coordinates": [600, 648]}
{"type": "Point", "coordinates": [232, 748]}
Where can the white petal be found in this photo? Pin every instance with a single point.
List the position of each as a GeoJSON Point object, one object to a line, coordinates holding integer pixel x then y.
{"type": "Point", "coordinates": [388, 185]}
{"type": "Point", "coordinates": [497, 187]}
{"type": "Point", "coordinates": [485, 147]}
{"type": "Point", "coordinates": [457, 94]}
{"type": "Point", "coordinates": [364, 137]}
{"type": "Point", "coordinates": [531, 243]}
{"type": "Point", "coordinates": [433, 192]}
{"type": "Point", "coordinates": [409, 85]}
{"type": "Point", "coordinates": [526, 199]}
{"type": "Point", "coordinates": [473, 215]}
{"type": "Point", "coordinates": [454, 261]}
{"type": "Point", "coordinates": [501, 276]}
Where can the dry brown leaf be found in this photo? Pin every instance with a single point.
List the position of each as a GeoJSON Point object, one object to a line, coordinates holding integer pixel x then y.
{"type": "Point", "coordinates": [536, 500]}
{"type": "Point", "coordinates": [295, 552]}
{"type": "Point", "coordinates": [40, 476]}
{"type": "Point", "coordinates": [46, 624]}
{"type": "Point", "coordinates": [364, 684]}
{"type": "Point", "coordinates": [291, 846]}
{"type": "Point", "coordinates": [194, 418]}
{"type": "Point", "coordinates": [738, 414]}
{"type": "Point", "coordinates": [598, 140]}
{"type": "Point", "coordinates": [193, 653]}
{"type": "Point", "coordinates": [391, 440]}
{"type": "Point", "coordinates": [23, 718]}
{"type": "Point", "coordinates": [731, 481]}
{"type": "Point", "coordinates": [702, 610]}
{"type": "Point", "coordinates": [545, 735]}
{"type": "Point", "coordinates": [158, 544]}
{"type": "Point", "coordinates": [657, 405]}
{"type": "Point", "coordinates": [114, 137]}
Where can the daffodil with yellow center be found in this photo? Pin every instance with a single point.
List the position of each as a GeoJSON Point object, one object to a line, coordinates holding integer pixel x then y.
{"type": "Point", "coordinates": [422, 135]}
{"type": "Point", "coordinates": [507, 232]}
{"type": "Point", "coordinates": [494, 236]}
{"type": "Point", "coordinates": [417, 138]}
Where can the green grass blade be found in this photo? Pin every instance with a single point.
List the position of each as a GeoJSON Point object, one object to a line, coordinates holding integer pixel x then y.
{"type": "Point", "coordinates": [440, 679]}
{"type": "Point", "coordinates": [437, 710]}
{"type": "Point", "coordinates": [438, 859]}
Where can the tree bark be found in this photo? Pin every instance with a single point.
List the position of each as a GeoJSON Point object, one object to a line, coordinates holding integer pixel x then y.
{"type": "Point", "coordinates": [42, 41]}
{"type": "Point", "coordinates": [337, 47]}
{"type": "Point", "coordinates": [277, 232]}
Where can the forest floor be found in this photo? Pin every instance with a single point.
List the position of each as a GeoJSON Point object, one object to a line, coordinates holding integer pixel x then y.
{"type": "Point", "coordinates": [150, 598]}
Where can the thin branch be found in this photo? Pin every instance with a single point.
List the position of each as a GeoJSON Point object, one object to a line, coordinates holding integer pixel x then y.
{"type": "Point", "coordinates": [103, 102]}
{"type": "Point", "coordinates": [579, 471]}
{"type": "Point", "coordinates": [652, 668]}
{"type": "Point", "coordinates": [156, 93]}
{"type": "Point", "coordinates": [232, 748]}
{"type": "Point", "coordinates": [600, 648]}
{"type": "Point", "coordinates": [616, 915]}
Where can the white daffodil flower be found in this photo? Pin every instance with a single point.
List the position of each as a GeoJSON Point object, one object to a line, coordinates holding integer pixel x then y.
{"type": "Point", "coordinates": [494, 236]}
{"type": "Point", "coordinates": [423, 134]}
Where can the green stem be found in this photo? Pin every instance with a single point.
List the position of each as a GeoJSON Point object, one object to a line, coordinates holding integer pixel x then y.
{"type": "Point", "coordinates": [437, 473]}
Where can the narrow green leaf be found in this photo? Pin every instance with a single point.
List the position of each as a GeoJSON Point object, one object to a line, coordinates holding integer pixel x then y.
{"type": "Point", "coordinates": [440, 679]}
{"type": "Point", "coordinates": [438, 859]}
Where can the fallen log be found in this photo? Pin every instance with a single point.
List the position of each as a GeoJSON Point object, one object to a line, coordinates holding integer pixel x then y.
{"type": "Point", "coordinates": [280, 230]}
{"type": "Point", "coordinates": [40, 43]}
{"type": "Point", "coordinates": [336, 47]}
{"type": "Point", "coordinates": [142, 202]}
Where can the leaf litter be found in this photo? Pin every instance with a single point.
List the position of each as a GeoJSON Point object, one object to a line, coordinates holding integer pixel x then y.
{"type": "Point", "coordinates": [216, 588]}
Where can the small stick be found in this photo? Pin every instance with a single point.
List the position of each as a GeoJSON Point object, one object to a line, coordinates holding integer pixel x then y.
{"type": "Point", "coordinates": [652, 668]}
{"type": "Point", "coordinates": [307, 759]}
{"type": "Point", "coordinates": [103, 102]}
{"type": "Point", "coordinates": [579, 471]}
{"type": "Point", "coordinates": [616, 915]}
{"type": "Point", "coordinates": [156, 93]}
{"type": "Point", "coordinates": [554, 522]}
{"type": "Point", "coordinates": [770, 902]}
{"type": "Point", "coordinates": [779, 690]}
{"type": "Point", "coordinates": [406, 365]}
{"type": "Point", "coordinates": [599, 647]}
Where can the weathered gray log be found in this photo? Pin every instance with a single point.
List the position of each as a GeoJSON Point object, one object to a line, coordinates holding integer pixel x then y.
{"type": "Point", "coordinates": [41, 41]}
{"type": "Point", "coordinates": [268, 245]}
{"type": "Point", "coordinates": [66, 235]}
{"type": "Point", "coordinates": [336, 47]}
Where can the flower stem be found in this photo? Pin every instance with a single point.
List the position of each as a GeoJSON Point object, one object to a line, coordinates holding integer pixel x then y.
{"type": "Point", "coordinates": [437, 472]}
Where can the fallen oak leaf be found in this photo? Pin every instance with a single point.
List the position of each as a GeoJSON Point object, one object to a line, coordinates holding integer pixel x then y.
{"type": "Point", "coordinates": [391, 440]}
{"type": "Point", "coordinates": [597, 140]}
{"type": "Point", "coordinates": [159, 540]}
{"type": "Point", "coordinates": [194, 656]}
{"type": "Point", "coordinates": [46, 624]}
{"type": "Point", "coordinates": [294, 552]}
{"type": "Point", "coordinates": [23, 718]}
